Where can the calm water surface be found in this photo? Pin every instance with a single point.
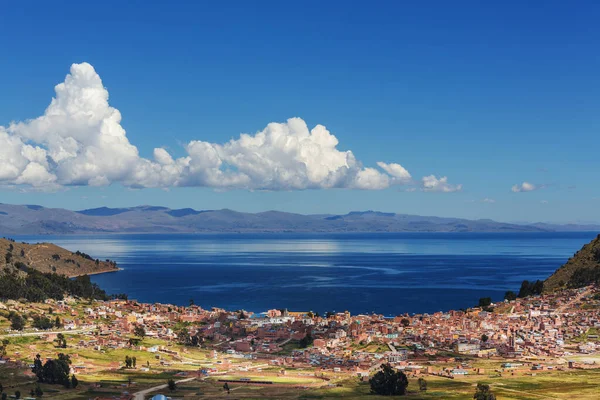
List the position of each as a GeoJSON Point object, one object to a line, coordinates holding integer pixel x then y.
{"type": "Point", "coordinates": [387, 273]}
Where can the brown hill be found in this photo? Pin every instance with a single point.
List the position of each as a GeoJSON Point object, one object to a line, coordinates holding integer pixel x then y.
{"type": "Point", "coordinates": [47, 257]}
{"type": "Point", "coordinates": [581, 270]}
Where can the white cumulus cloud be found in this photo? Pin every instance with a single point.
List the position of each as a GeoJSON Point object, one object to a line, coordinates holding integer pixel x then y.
{"type": "Point", "coordinates": [79, 140]}
{"type": "Point", "coordinates": [433, 184]}
{"type": "Point", "coordinates": [398, 172]}
{"type": "Point", "coordinates": [524, 187]}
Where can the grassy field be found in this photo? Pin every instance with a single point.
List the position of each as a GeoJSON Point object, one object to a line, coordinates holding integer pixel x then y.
{"type": "Point", "coordinates": [584, 385]}
{"type": "Point", "coordinates": [289, 347]}
{"type": "Point", "coordinates": [570, 384]}
{"type": "Point", "coordinates": [583, 338]}
{"type": "Point", "coordinates": [283, 379]}
{"type": "Point", "coordinates": [107, 379]}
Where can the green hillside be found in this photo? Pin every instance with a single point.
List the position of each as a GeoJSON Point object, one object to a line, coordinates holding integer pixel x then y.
{"type": "Point", "coordinates": [581, 270]}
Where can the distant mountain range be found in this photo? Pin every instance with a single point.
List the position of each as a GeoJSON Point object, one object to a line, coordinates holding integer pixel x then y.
{"type": "Point", "coordinates": [34, 220]}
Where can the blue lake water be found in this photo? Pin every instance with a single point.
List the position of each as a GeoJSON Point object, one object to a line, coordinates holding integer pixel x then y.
{"type": "Point", "coordinates": [389, 273]}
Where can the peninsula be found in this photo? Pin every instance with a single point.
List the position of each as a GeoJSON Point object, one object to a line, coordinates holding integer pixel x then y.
{"type": "Point", "coordinates": [49, 258]}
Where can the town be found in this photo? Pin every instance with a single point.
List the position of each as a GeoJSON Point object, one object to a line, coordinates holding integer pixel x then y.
{"type": "Point", "coordinates": [131, 346]}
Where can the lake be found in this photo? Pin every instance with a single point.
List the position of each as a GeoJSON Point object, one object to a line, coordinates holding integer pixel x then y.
{"type": "Point", "coordinates": [389, 273]}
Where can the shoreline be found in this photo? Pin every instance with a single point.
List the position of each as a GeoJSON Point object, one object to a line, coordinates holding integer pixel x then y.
{"type": "Point", "coordinates": [47, 237]}
{"type": "Point", "coordinates": [96, 273]}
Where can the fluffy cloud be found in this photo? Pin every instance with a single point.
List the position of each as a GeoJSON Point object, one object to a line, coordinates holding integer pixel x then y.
{"type": "Point", "coordinates": [525, 187]}
{"type": "Point", "coordinates": [80, 141]}
{"type": "Point", "coordinates": [396, 171]}
{"type": "Point", "coordinates": [432, 184]}
{"type": "Point", "coordinates": [488, 200]}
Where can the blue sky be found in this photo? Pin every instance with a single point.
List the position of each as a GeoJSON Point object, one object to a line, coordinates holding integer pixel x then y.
{"type": "Point", "coordinates": [490, 96]}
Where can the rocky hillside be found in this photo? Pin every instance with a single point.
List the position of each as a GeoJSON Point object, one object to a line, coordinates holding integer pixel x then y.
{"type": "Point", "coordinates": [581, 270]}
{"type": "Point", "coordinates": [47, 257]}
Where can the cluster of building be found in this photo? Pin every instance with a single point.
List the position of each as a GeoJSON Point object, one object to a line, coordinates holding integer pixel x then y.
{"type": "Point", "coordinates": [552, 325]}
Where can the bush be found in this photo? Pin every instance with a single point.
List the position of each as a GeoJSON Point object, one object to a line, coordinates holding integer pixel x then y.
{"type": "Point", "coordinates": [483, 392]}
{"type": "Point", "coordinates": [42, 323]}
{"type": "Point", "coordinates": [17, 322]}
{"type": "Point", "coordinates": [172, 385]}
{"type": "Point", "coordinates": [84, 255]}
{"type": "Point", "coordinates": [597, 254]}
{"type": "Point", "coordinates": [510, 295]}
{"type": "Point", "coordinates": [485, 301]}
{"type": "Point", "coordinates": [584, 277]}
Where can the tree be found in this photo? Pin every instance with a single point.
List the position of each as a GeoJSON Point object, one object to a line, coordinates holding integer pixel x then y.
{"type": "Point", "coordinates": [172, 385]}
{"type": "Point", "coordinates": [484, 338]}
{"type": "Point", "coordinates": [4, 396]}
{"type": "Point", "coordinates": [510, 295]}
{"type": "Point", "coordinates": [42, 323]}
{"type": "Point", "coordinates": [226, 388]}
{"type": "Point", "coordinates": [58, 323]}
{"type": "Point", "coordinates": [485, 301]}
{"type": "Point", "coordinates": [483, 392]}
{"type": "Point", "coordinates": [128, 362]}
{"type": "Point", "coordinates": [17, 322]}
{"type": "Point", "coordinates": [38, 391]}
{"type": "Point", "coordinates": [54, 371]}
{"type": "Point", "coordinates": [306, 341]}
{"type": "Point", "coordinates": [1, 388]}
{"type": "Point", "coordinates": [389, 382]}
{"type": "Point", "coordinates": [133, 361]}
{"type": "Point", "coordinates": [525, 289]}
{"type": "Point", "coordinates": [3, 349]}
{"type": "Point", "coordinates": [422, 385]}
{"type": "Point", "coordinates": [183, 337]}
{"type": "Point", "coordinates": [74, 381]}
{"type": "Point", "coordinates": [531, 288]}
{"type": "Point", "coordinates": [405, 322]}
{"type": "Point", "coordinates": [139, 331]}
{"type": "Point", "coordinates": [17, 394]}
{"type": "Point", "coordinates": [61, 341]}
{"type": "Point", "coordinates": [38, 368]}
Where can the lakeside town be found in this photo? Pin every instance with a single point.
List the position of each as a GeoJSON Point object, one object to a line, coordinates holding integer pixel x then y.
{"type": "Point", "coordinates": [522, 339]}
